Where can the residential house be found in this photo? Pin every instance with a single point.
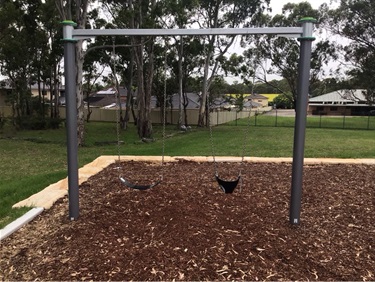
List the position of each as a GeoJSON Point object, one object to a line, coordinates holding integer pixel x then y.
{"type": "Point", "coordinates": [192, 101]}
{"type": "Point", "coordinates": [258, 98]}
{"type": "Point", "coordinates": [6, 89]}
{"type": "Point", "coordinates": [341, 102]}
{"type": "Point", "coordinates": [106, 98]}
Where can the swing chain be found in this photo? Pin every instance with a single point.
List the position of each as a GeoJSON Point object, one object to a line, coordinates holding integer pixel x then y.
{"type": "Point", "coordinates": [117, 99]}
{"type": "Point", "coordinates": [164, 110]}
{"type": "Point", "coordinates": [211, 136]}
{"type": "Point", "coordinates": [246, 136]}
{"type": "Point", "coordinates": [245, 139]}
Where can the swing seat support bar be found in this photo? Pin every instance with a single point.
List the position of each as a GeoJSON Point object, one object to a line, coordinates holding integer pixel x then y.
{"type": "Point", "coordinates": [138, 187]}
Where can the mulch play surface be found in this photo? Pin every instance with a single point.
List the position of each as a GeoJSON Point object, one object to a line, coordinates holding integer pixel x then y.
{"type": "Point", "coordinates": [186, 228]}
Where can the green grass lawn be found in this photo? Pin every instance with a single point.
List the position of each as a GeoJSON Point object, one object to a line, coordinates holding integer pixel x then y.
{"type": "Point", "coordinates": [31, 160]}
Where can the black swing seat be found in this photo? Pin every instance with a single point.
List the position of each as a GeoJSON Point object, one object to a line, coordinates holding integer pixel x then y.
{"type": "Point", "coordinates": [227, 186]}
{"type": "Point", "coordinates": [138, 187]}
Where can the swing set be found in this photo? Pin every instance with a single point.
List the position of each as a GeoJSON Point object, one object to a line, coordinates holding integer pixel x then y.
{"type": "Point", "coordinates": [122, 178]}
{"type": "Point", "coordinates": [303, 34]}
{"type": "Point", "coordinates": [227, 186]}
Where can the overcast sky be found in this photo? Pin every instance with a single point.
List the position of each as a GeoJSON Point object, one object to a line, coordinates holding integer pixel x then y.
{"type": "Point", "coordinates": [277, 5]}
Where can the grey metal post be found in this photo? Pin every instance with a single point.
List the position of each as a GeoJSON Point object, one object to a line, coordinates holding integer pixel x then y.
{"type": "Point", "coordinates": [300, 122]}
{"type": "Point", "coordinates": [71, 118]}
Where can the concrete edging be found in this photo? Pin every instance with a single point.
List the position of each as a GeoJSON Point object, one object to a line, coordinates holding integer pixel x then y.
{"type": "Point", "coordinates": [19, 222]}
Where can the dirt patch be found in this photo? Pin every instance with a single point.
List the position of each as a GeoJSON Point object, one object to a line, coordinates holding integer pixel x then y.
{"type": "Point", "coordinates": [186, 228]}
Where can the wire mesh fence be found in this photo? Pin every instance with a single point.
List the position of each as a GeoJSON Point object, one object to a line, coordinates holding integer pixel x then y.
{"type": "Point", "coordinates": [284, 118]}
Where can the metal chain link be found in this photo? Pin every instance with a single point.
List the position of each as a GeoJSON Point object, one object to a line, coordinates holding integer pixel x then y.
{"type": "Point", "coordinates": [164, 113]}
{"type": "Point", "coordinates": [211, 137]}
{"type": "Point", "coordinates": [246, 136]}
{"type": "Point", "coordinates": [117, 98]}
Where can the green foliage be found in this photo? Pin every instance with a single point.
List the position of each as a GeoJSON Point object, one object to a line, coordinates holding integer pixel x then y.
{"type": "Point", "coordinates": [283, 101]}
{"type": "Point", "coordinates": [2, 121]}
{"type": "Point", "coordinates": [355, 20]}
{"type": "Point", "coordinates": [282, 52]}
{"type": "Point", "coordinates": [39, 123]}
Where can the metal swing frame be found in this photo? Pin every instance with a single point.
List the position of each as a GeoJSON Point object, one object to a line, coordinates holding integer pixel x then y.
{"type": "Point", "coordinates": [304, 34]}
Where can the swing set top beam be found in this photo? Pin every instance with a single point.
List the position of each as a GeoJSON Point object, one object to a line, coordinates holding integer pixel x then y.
{"type": "Point", "coordinates": [281, 31]}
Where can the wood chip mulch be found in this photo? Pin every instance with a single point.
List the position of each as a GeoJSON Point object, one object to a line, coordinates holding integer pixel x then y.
{"type": "Point", "coordinates": [186, 228]}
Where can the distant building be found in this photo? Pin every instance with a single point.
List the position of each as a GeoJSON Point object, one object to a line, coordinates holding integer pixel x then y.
{"type": "Point", "coordinates": [6, 89]}
{"type": "Point", "coordinates": [341, 102]}
{"type": "Point", "coordinates": [192, 101]}
{"type": "Point", "coordinates": [106, 98]}
{"type": "Point", "coordinates": [258, 98]}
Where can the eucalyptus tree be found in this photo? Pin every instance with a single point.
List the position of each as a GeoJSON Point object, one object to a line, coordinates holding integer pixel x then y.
{"type": "Point", "coordinates": [51, 53]}
{"type": "Point", "coordinates": [283, 53]}
{"type": "Point", "coordinates": [77, 11]}
{"type": "Point", "coordinates": [189, 54]}
{"type": "Point", "coordinates": [93, 71]}
{"type": "Point", "coordinates": [137, 15]}
{"type": "Point", "coordinates": [20, 45]}
{"type": "Point", "coordinates": [355, 21]}
{"type": "Point", "coordinates": [146, 14]}
{"type": "Point", "coordinates": [179, 14]}
{"type": "Point", "coordinates": [222, 14]}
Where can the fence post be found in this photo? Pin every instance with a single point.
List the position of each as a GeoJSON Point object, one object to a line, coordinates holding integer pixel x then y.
{"type": "Point", "coordinates": [343, 122]}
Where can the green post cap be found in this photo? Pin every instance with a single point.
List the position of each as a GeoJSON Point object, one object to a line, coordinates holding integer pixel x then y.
{"type": "Point", "coordinates": [308, 19]}
{"type": "Point", "coordinates": [68, 22]}
{"type": "Point", "coordinates": [68, 27]}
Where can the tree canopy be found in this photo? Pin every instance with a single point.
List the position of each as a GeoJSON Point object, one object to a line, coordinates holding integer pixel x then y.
{"type": "Point", "coordinates": [31, 51]}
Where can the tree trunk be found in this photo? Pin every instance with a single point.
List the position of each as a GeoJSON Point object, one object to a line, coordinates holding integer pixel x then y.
{"type": "Point", "coordinates": [129, 94]}
{"type": "Point", "coordinates": [202, 107]}
{"type": "Point", "coordinates": [144, 125]}
{"type": "Point", "coordinates": [79, 95]}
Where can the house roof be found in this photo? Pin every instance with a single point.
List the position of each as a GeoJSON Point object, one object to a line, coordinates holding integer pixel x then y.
{"type": "Point", "coordinates": [257, 96]}
{"type": "Point", "coordinates": [250, 96]}
{"type": "Point", "coordinates": [340, 96]}
{"type": "Point", "coordinates": [110, 91]}
{"type": "Point", "coordinates": [192, 101]}
{"type": "Point", "coordinates": [106, 97]}
{"type": "Point", "coordinates": [253, 104]}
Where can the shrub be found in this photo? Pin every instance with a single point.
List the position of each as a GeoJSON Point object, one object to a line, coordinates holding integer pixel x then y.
{"type": "Point", "coordinates": [39, 123]}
